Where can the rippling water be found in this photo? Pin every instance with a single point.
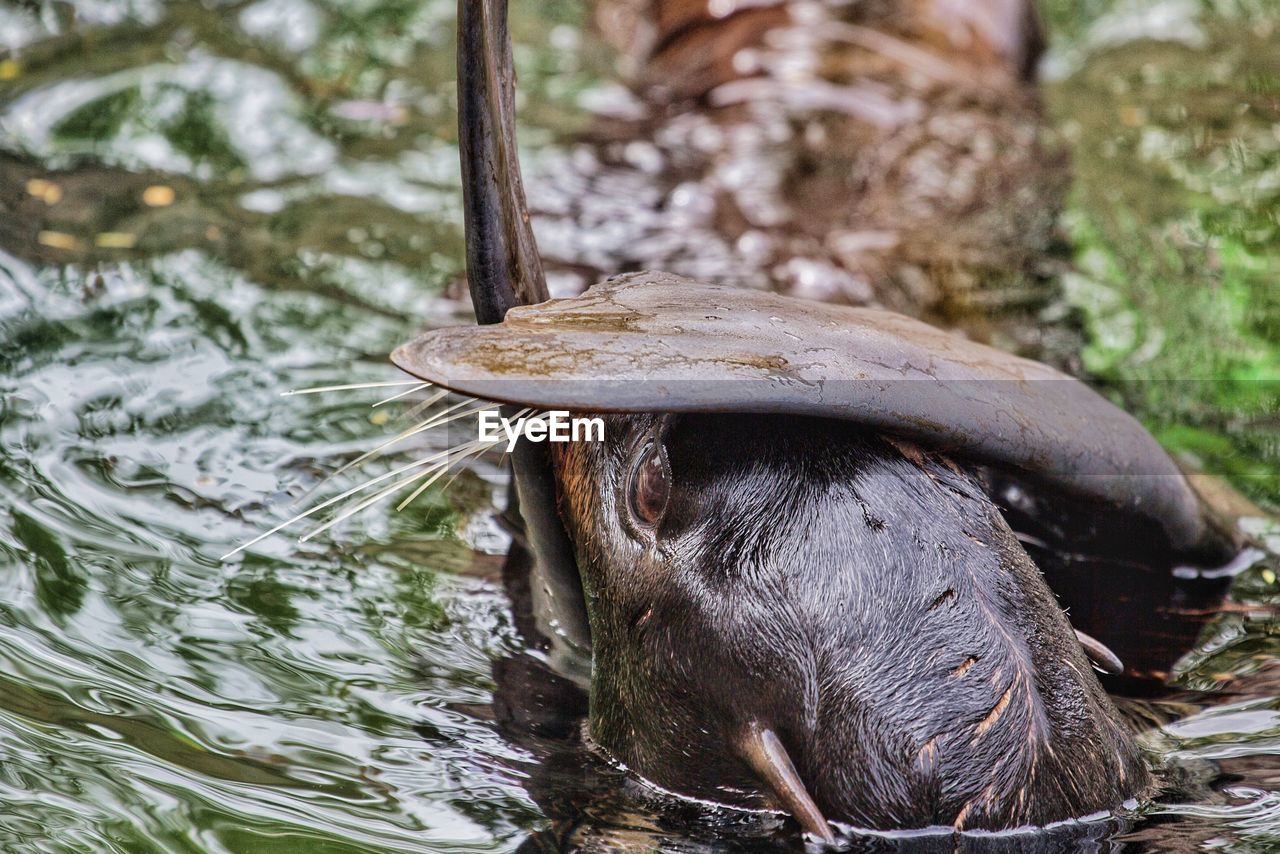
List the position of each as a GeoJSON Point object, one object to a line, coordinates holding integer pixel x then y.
{"type": "Point", "coordinates": [264, 198]}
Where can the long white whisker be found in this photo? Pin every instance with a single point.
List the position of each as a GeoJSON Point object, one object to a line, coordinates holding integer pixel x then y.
{"type": "Point", "coordinates": [481, 445]}
{"type": "Point", "coordinates": [422, 487]}
{"type": "Point", "coordinates": [434, 470]}
{"type": "Point", "coordinates": [469, 450]}
{"type": "Point", "coordinates": [441, 419]}
{"type": "Point", "coordinates": [405, 393]}
{"type": "Point", "coordinates": [330, 502]}
{"type": "Point", "coordinates": [331, 475]}
{"type": "Point", "coordinates": [348, 387]}
{"type": "Point", "coordinates": [434, 421]}
{"type": "Point", "coordinates": [438, 469]}
{"type": "Point", "coordinates": [413, 411]}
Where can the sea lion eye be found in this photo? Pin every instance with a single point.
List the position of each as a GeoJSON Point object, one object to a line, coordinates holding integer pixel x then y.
{"type": "Point", "coordinates": [650, 485]}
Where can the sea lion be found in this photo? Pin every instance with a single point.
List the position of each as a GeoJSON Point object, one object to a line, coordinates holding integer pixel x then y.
{"type": "Point", "coordinates": [798, 600]}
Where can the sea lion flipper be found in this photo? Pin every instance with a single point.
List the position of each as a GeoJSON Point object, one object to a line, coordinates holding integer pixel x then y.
{"type": "Point", "coordinates": [1100, 654]}
{"type": "Point", "coordinates": [768, 758]}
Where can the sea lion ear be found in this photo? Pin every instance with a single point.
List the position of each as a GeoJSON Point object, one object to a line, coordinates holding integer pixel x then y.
{"type": "Point", "coordinates": [768, 759]}
{"type": "Point", "coordinates": [654, 342]}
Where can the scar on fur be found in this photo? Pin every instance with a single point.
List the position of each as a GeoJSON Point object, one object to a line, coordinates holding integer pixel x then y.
{"type": "Point", "coordinates": [994, 715]}
{"type": "Point", "coordinates": [964, 813]}
{"type": "Point", "coordinates": [946, 594]}
{"type": "Point", "coordinates": [872, 521]}
{"type": "Point", "coordinates": [927, 754]}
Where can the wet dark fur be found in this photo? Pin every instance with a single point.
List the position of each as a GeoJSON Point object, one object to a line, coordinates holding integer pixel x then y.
{"type": "Point", "coordinates": [867, 602]}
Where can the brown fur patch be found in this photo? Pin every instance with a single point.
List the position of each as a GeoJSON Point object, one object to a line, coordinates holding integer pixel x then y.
{"type": "Point", "coordinates": [994, 715]}
{"type": "Point", "coordinates": [913, 452]}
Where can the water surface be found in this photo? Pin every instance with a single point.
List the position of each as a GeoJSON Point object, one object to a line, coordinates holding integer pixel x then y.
{"type": "Point", "coordinates": [206, 205]}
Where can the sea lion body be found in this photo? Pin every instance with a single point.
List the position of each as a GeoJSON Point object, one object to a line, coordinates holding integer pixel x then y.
{"type": "Point", "coordinates": [887, 154]}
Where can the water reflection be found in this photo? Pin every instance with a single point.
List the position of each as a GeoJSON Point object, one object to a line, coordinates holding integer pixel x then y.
{"type": "Point", "coordinates": [207, 204]}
